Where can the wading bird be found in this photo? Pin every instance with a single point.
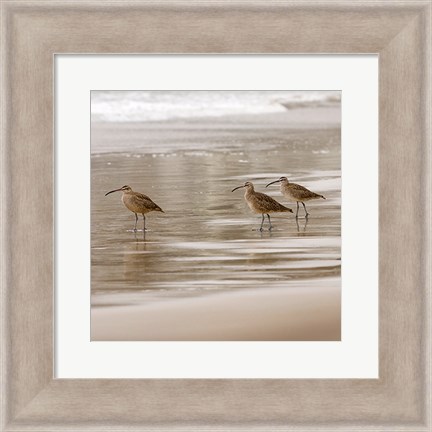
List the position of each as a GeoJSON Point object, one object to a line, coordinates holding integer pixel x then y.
{"type": "Point", "coordinates": [296, 192]}
{"type": "Point", "coordinates": [137, 203]}
{"type": "Point", "coordinates": [261, 203]}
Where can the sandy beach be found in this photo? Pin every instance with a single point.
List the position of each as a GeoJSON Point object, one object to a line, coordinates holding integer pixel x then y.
{"type": "Point", "coordinates": [276, 314]}
{"type": "Point", "coordinates": [202, 271]}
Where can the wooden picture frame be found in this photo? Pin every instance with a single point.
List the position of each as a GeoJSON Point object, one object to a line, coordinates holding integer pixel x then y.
{"type": "Point", "coordinates": [32, 32]}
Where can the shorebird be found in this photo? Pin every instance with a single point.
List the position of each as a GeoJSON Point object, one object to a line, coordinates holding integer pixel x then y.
{"type": "Point", "coordinates": [261, 203]}
{"type": "Point", "coordinates": [296, 192]}
{"type": "Point", "coordinates": [137, 203]}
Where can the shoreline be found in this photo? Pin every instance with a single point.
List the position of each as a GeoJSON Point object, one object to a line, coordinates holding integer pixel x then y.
{"type": "Point", "coordinates": [224, 131]}
{"type": "Point", "coordinates": [110, 139]}
{"type": "Point", "coordinates": [294, 118]}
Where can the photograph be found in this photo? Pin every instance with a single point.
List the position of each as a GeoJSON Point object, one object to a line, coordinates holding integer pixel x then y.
{"type": "Point", "coordinates": [216, 215]}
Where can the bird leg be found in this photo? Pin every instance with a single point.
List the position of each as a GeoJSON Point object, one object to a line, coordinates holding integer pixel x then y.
{"type": "Point", "coordinates": [144, 221]}
{"type": "Point", "coordinates": [136, 221]}
{"type": "Point", "coordinates": [269, 222]}
{"type": "Point", "coordinates": [262, 221]}
{"type": "Point", "coordinates": [307, 214]}
{"type": "Point", "coordinates": [297, 210]}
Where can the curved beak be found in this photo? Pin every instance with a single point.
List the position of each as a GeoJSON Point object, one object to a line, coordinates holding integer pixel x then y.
{"type": "Point", "coordinates": [276, 181]}
{"type": "Point", "coordinates": [115, 190]}
{"type": "Point", "coordinates": [238, 187]}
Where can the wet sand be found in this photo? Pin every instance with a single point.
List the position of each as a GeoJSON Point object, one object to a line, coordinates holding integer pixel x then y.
{"type": "Point", "coordinates": [203, 271]}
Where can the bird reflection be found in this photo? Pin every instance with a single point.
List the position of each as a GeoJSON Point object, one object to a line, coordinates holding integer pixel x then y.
{"type": "Point", "coordinates": [301, 227]}
{"type": "Point", "coordinates": [265, 234]}
{"type": "Point", "coordinates": [140, 238]}
{"type": "Point", "coordinates": [135, 260]}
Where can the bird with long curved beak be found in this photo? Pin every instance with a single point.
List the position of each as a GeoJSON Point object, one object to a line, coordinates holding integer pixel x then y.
{"type": "Point", "coordinates": [295, 192]}
{"type": "Point", "coordinates": [137, 203]}
{"type": "Point", "coordinates": [261, 203]}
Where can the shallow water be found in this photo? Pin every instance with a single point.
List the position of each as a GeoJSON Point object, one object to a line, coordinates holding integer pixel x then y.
{"type": "Point", "coordinates": [207, 239]}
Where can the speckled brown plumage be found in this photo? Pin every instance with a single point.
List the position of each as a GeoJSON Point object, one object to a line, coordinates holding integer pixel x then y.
{"type": "Point", "coordinates": [261, 203]}
{"type": "Point", "coordinates": [295, 192]}
{"type": "Point", "coordinates": [137, 202]}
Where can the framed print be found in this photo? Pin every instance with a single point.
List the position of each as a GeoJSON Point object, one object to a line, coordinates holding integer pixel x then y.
{"type": "Point", "coordinates": [33, 34]}
{"type": "Point", "coordinates": [253, 271]}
